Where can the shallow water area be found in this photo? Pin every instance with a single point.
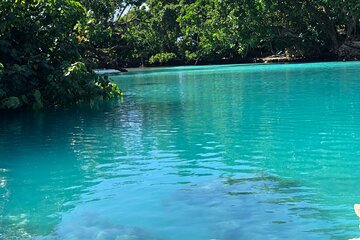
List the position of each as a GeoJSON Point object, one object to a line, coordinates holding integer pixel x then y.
{"type": "Point", "coordinates": [207, 152]}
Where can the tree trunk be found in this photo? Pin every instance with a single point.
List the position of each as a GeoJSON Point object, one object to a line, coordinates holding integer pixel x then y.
{"type": "Point", "coordinates": [330, 28]}
{"type": "Point", "coordinates": [334, 38]}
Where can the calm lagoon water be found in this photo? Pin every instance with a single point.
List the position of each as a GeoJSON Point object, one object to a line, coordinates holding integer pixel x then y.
{"type": "Point", "coordinates": [216, 152]}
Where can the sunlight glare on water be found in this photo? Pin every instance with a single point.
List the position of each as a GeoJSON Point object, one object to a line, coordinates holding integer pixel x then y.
{"type": "Point", "coordinates": [211, 152]}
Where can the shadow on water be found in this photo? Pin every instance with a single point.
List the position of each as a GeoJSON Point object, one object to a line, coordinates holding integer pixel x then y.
{"type": "Point", "coordinates": [253, 207]}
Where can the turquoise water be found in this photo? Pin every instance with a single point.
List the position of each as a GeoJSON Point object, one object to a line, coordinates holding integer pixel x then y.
{"type": "Point", "coordinates": [197, 153]}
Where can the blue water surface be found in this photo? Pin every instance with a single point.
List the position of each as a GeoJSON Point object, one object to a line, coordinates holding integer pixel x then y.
{"type": "Point", "coordinates": [225, 152]}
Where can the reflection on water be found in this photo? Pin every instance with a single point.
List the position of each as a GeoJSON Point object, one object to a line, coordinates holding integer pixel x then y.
{"type": "Point", "coordinates": [243, 152]}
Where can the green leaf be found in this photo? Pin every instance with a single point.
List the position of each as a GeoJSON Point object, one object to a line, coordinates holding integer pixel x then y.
{"type": "Point", "coordinates": [37, 95]}
{"type": "Point", "coordinates": [10, 103]}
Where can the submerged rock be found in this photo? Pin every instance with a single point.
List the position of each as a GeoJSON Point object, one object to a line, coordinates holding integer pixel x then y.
{"type": "Point", "coordinates": [94, 226]}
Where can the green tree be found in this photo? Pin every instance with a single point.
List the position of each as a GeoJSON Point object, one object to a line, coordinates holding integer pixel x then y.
{"type": "Point", "coordinates": [39, 49]}
{"type": "Point", "coordinates": [214, 30]}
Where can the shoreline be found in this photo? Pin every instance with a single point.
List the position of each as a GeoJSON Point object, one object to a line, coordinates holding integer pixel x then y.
{"type": "Point", "coordinates": [275, 61]}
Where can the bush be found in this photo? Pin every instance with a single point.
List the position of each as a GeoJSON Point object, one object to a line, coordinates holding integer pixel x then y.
{"type": "Point", "coordinates": [67, 85]}
{"type": "Point", "coordinates": [76, 82]}
{"type": "Point", "coordinates": [41, 62]}
{"type": "Point", "coordinates": [162, 58]}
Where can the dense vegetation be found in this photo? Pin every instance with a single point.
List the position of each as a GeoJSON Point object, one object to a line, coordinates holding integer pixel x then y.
{"type": "Point", "coordinates": [48, 48]}
{"type": "Point", "coordinates": [41, 60]}
{"type": "Point", "coordinates": [208, 31]}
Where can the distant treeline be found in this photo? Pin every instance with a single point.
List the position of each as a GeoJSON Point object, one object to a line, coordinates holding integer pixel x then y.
{"type": "Point", "coordinates": [212, 31]}
{"type": "Point", "coordinates": [48, 48]}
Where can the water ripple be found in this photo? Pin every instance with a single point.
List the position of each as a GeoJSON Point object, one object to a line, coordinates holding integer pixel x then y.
{"type": "Point", "coordinates": [223, 152]}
